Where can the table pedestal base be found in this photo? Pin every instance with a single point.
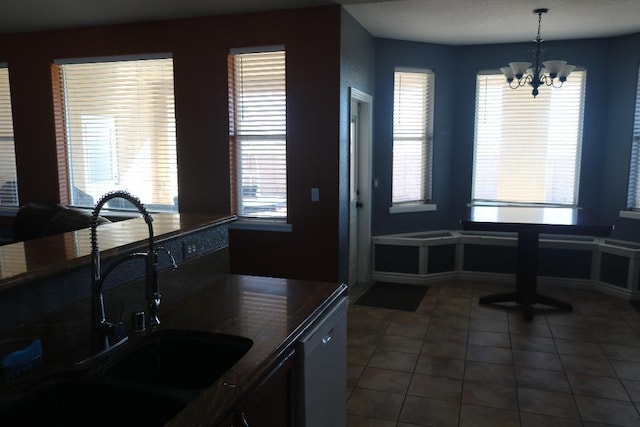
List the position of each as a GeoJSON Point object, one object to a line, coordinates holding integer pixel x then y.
{"type": "Point", "coordinates": [526, 301]}
{"type": "Point", "coordinates": [529, 222]}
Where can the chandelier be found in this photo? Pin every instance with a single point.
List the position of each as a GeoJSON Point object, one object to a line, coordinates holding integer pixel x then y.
{"type": "Point", "coordinates": [538, 71]}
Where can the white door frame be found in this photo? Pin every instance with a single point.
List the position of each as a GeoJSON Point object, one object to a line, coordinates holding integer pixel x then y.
{"type": "Point", "coordinates": [364, 149]}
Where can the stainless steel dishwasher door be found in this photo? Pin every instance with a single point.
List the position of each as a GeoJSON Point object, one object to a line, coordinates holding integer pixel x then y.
{"type": "Point", "coordinates": [323, 385]}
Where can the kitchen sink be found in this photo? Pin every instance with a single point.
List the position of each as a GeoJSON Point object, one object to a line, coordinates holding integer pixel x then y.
{"type": "Point", "coordinates": [179, 359]}
{"type": "Point", "coordinates": [149, 381]}
{"type": "Point", "coordinates": [85, 401]}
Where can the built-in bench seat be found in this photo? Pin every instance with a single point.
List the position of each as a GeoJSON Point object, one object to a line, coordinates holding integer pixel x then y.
{"type": "Point", "coordinates": [605, 264]}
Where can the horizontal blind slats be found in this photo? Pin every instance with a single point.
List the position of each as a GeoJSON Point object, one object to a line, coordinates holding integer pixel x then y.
{"type": "Point", "coordinates": [121, 131]}
{"type": "Point", "coordinates": [412, 129]}
{"type": "Point", "coordinates": [259, 110]}
{"type": "Point", "coordinates": [8, 173]}
{"type": "Point", "coordinates": [633, 198]}
{"type": "Point", "coordinates": [527, 150]}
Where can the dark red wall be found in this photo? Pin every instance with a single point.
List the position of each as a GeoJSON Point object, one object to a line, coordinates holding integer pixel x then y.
{"type": "Point", "coordinates": [199, 46]}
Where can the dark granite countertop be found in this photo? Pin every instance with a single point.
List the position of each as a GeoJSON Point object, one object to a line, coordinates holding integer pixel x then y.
{"type": "Point", "coordinates": [24, 262]}
{"type": "Point", "coordinates": [272, 312]}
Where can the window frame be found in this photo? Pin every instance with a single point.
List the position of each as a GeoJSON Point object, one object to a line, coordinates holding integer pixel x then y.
{"type": "Point", "coordinates": [633, 192]}
{"type": "Point", "coordinates": [9, 163]}
{"type": "Point", "coordinates": [424, 202]}
{"type": "Point", "coordinates": [265, 220]}
{"type": "Point", "coordinates": [526, 104]}
{"type": "Point", "coordinates": [164, 148]}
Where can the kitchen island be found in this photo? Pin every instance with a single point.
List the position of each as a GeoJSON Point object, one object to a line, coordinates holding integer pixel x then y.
{"type": "Point", "coordinates": [271, 312]}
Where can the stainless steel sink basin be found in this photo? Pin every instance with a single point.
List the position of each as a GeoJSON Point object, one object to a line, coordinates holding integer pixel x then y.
{"type": "Point", "coordinates": [72, 401]}
{"type": "Point", "coordinates": [179, 359]}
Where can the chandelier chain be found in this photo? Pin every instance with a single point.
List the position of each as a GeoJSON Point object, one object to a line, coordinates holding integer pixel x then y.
{"type": "Point", "coordinates": [539, 24]}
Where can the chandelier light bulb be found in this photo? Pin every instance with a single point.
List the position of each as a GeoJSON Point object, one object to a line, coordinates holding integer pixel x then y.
{"type": "Point", "coordinates": [519, 68]}
{"type": "Point", "coordinates": [508, 73]}
{"type": "Point", "coordinates": [564, 73]}
{"type": "Point", "coordinates": [554, 67]}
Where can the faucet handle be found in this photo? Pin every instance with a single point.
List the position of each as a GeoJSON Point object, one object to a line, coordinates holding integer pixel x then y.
{"type": "Point", "coordinates": [113, 330]}
{"type": "Point", "coordinates": [139, 321]}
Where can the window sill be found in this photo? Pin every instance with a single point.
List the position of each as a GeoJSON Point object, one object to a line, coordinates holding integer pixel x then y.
{"type": "Point", "coordinates": [417, 207]}
{"type": "Point", "coordinates": [8, 211]}
{"type": "Point", "coordinates": [261, 225]}
{"type": "Point", "coordinates": [630, 214]}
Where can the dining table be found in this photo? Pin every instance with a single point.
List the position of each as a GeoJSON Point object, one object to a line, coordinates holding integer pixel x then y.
{"type": "Point", "coordinates": [529, 222]}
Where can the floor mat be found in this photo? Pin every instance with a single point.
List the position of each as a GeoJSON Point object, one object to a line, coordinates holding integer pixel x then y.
{"type": "Point", "coordinates": [397, 296]}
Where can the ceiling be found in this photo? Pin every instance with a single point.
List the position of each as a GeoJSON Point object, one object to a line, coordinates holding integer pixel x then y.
{"type": "Point", "coordinates": [454, 22]}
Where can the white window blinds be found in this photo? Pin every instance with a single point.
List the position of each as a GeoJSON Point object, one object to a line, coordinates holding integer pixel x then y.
{"type": "Point", "coordinates": [412, 136]}
{"type": "Point", "coordinates": [258, 126]}
{"type": "Point", "coordinates": [8, 177]}
{"type": "Point", "coordinates": [527, 150]}
{"type": "Point", "coordinates": [634, 169]}
{"type": "Point", "coordinates": [120, 131]}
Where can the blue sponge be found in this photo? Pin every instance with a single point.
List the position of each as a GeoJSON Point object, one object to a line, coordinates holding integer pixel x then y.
{"type": "Point", "coordinates": [21, 361]}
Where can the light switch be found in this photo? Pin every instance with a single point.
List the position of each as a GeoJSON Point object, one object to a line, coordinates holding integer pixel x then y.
{"type": "Point", "coordinates": [315, 194]}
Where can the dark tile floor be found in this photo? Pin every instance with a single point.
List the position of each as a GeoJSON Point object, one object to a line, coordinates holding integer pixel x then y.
{"type": "Point", "coordinates": [453, 363]}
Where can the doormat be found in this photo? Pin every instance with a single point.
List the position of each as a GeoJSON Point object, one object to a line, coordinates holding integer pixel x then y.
{"type": "Point", "coordinates": [396, 296]}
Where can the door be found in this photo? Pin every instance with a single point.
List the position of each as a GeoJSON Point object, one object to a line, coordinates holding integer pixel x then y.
{"type": "Point", "coordinates": [359, 187]}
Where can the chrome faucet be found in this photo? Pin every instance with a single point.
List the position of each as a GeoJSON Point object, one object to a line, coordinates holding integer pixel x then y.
{"type": "Point", "coordinates": [103, 331]}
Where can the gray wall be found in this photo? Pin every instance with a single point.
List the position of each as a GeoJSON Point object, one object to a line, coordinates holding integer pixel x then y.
{"type": "Point", "coordinates": [357, 52]}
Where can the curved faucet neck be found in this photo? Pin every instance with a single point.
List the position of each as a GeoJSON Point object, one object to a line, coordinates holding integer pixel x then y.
{"type": "Point", "coordinates": [130, 198]}
{"type": "Point", "coordinates": [97, 308]}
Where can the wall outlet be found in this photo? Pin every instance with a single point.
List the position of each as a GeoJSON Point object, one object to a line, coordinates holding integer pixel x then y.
{"type": "Point", "coordinates": [190, 248]}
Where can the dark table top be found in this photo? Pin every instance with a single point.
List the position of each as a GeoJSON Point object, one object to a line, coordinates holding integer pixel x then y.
{"type": "Point", "coordinates": [550, 220]}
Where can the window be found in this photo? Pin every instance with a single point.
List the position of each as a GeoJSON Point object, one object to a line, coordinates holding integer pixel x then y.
{"type": "Point", "coordinates": [412, 136]}
{"type": "Point", "coordinates": [8, 176]}
{"type": "Point", "coordinates": [258, 130]}
{"type": "Point", "coordinates": [527, 150]}
{"type": "Point", "coordinates": [117, 131]}
{"type": "Point", "coordinates": [633, 200]}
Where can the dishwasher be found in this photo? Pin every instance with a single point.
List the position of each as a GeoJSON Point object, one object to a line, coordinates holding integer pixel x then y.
{"type": "Point", "coordinates": [323, 383]}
